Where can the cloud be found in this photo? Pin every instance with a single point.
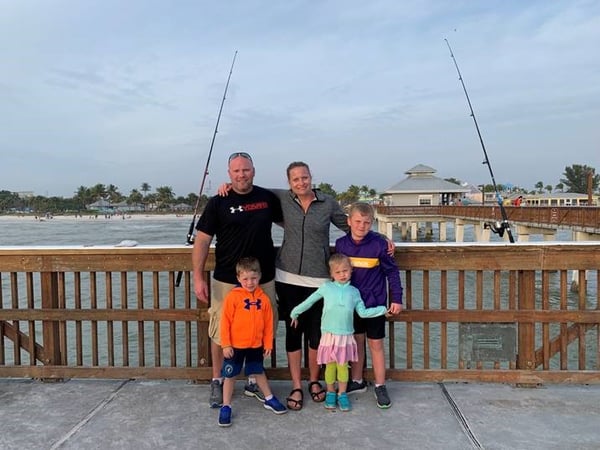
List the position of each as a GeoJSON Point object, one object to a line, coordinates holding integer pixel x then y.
{"type": "Point", "coordinates": [361, 91]}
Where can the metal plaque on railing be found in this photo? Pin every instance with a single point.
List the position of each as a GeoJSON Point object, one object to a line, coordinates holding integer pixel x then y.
{"type": "Point", "coordinates": [487, 342]}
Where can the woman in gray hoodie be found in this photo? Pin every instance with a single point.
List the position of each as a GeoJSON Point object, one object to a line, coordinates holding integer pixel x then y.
{"type": "Point", "coordinates": [301, 267]}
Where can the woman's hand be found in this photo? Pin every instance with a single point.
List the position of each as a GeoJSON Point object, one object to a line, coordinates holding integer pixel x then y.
{"type": "Point", "coordinates": [224, 189]}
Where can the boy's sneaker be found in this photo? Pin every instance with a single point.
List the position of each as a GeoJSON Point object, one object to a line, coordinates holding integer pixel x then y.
{"type": "Point", "coordinates": [252, 390]}
{"type": "Point", "coordinates": [225, 416]}
{"type": "Point", "coordinates": [355, 386]}
{"type": "Point", "coordinates": [330, 400]}
{"type": "Point", "coordinates": [275, 406]}
{"type": "Point", "coordinates": [344, 402]}
{"type": "Point", "coordinates": [383, 399]}
{"type": "Point", "coordinates": [216, 394]}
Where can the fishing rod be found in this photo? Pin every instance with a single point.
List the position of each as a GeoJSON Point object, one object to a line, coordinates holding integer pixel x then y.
{"type": "Point", "coordinates": [498, 227]}
{"type": "Point", "coordinates": [190, 234]}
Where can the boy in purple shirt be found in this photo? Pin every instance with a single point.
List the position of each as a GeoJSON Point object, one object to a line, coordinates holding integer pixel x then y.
{"type": "Point", "coordinates": [373, 271]}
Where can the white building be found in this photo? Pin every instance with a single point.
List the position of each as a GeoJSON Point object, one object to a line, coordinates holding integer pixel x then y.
{"type": "Point", "coordinates": [422, 188]}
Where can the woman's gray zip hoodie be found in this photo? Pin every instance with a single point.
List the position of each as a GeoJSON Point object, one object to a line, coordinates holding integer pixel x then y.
{"type": "Point", "coordinates": [305, 247]}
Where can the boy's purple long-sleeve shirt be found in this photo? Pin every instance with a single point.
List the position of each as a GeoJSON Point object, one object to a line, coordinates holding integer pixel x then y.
{"type": "Point", "coordinates": [371, 268]}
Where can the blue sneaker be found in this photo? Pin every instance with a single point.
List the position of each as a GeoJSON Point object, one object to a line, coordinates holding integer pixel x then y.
{"type": "Point", "coordinates": [330, 400]}
{"type": "Point", "coordinates": [344, 402]}
{"type": "Point", "coordinates": [225, 416]}
{"type": "Point", "coordinates": [275, 406]}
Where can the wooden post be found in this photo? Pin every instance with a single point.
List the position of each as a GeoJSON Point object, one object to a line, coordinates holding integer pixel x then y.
{"type": "Point", "coordinates": [526, 338]}
{"type": "Point", "coordinates": [50, 329]}
{"type": "Point", "coordinates": [590, 186]}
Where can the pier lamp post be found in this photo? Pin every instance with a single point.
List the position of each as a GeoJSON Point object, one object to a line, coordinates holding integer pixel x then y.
{"type": "Point", "coordinates": [481, 188]}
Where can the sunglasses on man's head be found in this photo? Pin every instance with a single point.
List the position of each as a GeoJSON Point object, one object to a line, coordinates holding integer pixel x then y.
{"type": "Point", "coordinates": [239, 154]}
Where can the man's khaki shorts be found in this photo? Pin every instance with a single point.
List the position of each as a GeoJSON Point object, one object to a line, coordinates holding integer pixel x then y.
{"type": "Point", "coordinates": [219, 291]}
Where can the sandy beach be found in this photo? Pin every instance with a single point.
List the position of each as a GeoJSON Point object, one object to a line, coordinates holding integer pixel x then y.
{"type": "Point", "coordinates": [92, 217]}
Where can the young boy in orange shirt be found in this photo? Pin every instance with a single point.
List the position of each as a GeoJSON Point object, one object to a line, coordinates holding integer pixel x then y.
{"type": "Point", "coordinates": [246, 337]}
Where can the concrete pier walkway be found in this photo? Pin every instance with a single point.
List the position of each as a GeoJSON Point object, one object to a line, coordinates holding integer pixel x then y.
{"type": "Point", "coordinates": [137, 414]}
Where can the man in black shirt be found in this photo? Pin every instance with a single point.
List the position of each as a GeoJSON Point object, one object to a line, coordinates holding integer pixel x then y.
{"type": "Point", "coordinates": [241, 223]}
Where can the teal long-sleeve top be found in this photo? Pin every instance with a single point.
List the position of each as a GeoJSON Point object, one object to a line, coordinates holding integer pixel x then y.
{"type": "Point", "coordinates": [340, 300]}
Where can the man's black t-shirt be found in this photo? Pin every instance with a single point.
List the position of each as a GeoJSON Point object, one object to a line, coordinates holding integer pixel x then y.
{"type": "Point", "coordinates": [242, 224]}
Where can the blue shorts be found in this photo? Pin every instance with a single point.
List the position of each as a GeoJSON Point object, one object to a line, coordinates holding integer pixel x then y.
{"type": "Point", "coordinates": [253, 358]}
{"type": "Point", "coordinates": [374, 327]}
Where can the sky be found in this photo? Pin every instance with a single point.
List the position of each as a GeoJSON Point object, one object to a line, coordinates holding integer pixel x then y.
{"type": "Point", "coordinates": [126, 93]}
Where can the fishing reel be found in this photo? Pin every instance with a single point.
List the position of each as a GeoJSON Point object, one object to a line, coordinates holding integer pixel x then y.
{"type": "Point", "coordinates": [191, 235]}
{"type": "Point", "coordinates": [497, 227]}
{"type": "Point", "coordinates": [190, 239]}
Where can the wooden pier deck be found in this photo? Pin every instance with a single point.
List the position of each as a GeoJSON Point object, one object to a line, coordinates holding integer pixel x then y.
{"type": "Point", "coordinates": [129, 414]}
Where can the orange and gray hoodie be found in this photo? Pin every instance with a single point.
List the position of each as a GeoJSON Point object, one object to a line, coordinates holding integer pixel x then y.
{"type": "Point", "coordinates": [247, 319]}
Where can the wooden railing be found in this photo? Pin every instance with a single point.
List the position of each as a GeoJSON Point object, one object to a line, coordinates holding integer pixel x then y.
{"type": "Point", "coordinates": [495, 312]}
{"type": "Point", "coordinates": [579, 217]}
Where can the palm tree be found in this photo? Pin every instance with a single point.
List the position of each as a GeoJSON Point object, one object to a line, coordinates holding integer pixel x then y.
{"type": "Point", "coordinates": [539, 186]}
{"type": "Point", "coordinates": [83, 196]}
{"type": "Point", "coordinates": [327, 188]}
{"type": "Point", "coordinates": [576, 178]}
{"type": "Point", "coordinates": [145, 188]}
{"type": "Point", "coordinates": [135, 197]}
{"type": "Point", "coordinates": [114, 196]}
{"type": "Point", "coordinates": [164, 195]}
{"type": "Point", "coordinates": [98, 191]}
{"type": "Point", "coordinates": [350, 196]}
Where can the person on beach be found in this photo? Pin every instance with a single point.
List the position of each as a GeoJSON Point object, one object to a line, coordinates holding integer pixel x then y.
{"type": "Point", "coordinates": [242, 224]}
{"type": "Point", "coordinates": [337, 345]}
{"type": "Point", "coordinates": [246, 337]}
{"type": "Point", "coordinates": [374, 271]}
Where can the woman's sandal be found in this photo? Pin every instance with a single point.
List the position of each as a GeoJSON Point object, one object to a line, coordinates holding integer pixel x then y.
{"type": "Point", "coordinates": [292, 403]}
{"type": "Point", "coordinates": [317, 396]}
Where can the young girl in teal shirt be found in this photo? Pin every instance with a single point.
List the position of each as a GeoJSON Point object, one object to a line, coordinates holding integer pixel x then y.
{"type": "Point", "coordinates": [337, 345]}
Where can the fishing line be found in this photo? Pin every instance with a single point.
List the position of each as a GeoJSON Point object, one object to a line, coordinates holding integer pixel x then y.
{"type": "Point", "coordinates": [498, 227]}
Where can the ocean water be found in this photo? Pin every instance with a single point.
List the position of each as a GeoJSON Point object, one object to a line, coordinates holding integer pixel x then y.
{"type": "Point", "coordinates": [146, 230]}
{"type": "Point", "coordinates": [154, 230]}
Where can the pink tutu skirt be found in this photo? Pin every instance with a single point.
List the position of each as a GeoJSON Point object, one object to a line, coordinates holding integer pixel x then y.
{"type": "Point", "coordinates": [337, 348]}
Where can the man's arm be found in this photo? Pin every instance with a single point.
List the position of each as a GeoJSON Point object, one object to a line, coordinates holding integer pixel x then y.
{"type": "Point", "coordinates": [199, 254]}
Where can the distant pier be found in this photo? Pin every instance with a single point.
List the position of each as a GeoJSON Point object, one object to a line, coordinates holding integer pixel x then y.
{"type": "Point", "coordinates": [524, 221]}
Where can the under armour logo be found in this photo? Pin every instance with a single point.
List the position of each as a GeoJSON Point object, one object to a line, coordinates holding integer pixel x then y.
{"type": "Point", "coordinates": [249, 303]}
{"type": "Point", "coordinates": [235, 209]}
